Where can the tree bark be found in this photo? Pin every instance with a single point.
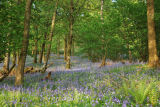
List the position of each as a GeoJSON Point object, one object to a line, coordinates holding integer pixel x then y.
{"type": "Point", "coordinates": [14, 58]}
{"type": "Point", "coordinates": [44, 56]}
{"type": "Point", "coordinates": [102, 3]}
{"type": "Point", "coordinates": [129, 53]}
{"type": "Point", "coordinates": [25, 42]}
{"type": "Point", "coordinates": [130, 56]}
{"type": "Point", "coordinates": [153, 57]}
{"type": "Point", "coordinates": [103, 63]}
{"type": "Point", "coordinates": [32, 50]}
{"type": "Point", "coordinates": [35, 51]}
{"type": "Point", "coordinates": [6, 61]}
{"type": "Point", "coordinates": [58, 47]}
{"type": "Point", "coordinates": [50, 36]}
{"type": "Point", "coordinates": [18, 57]}
{"type": "Point", "coordinates": [65, 48]}
{"type": "Point", "coordinates": [42, 50]}
{"type": "Point", "coordinates": [69, 42]}
{"type": "Point", "coordinates": [73, 47]}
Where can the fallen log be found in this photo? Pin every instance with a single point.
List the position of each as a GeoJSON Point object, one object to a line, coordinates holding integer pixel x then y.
{"type": "Point", "coordinates": [30, 70]}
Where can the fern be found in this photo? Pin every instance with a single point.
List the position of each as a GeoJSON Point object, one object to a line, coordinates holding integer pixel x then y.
{"type": "Point", "coordinates": [153, 95]}
{"type": "Point", "coordinates": [139, 90]}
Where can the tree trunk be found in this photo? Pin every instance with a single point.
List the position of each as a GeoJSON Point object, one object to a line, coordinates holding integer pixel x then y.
{"type": "Point", "coordinates": [129, 53]}
{"type": "Point", "coordinates": [25, 42]}
{"type": "Point", "coordinates": [18, 57]}
{"type": "Point", "coordinates": [65, 48]}
{"type": "Point", "coordinates": [42, 50]}
{"type": "Point", "coordinates": [6, 61]}
{"type": "Point", "coordinates": [102, 3]}
{"type": "Point", "coordinates": [58, 47]}
{"type": "Point", "coordinates": [32, 50]}
{"type": "Point", "coordinates": [14, 58]}
{"type": "Point", "coordinates": [35, 51]}
{"type": "Point", "coordinates": [130, 56]}
{"type": "Point", "coordinates": [50, 36]}
{"type": "Point", "coordinates": [44, 56]}
{"type": "Point", "coordinates": [73, 47]}
{"type": "Point", "coordinates": [103, 63]}
{"type": "Point", "coordinates": [69, 43]}
{"type": "Point", "coordinates": [153, 57]}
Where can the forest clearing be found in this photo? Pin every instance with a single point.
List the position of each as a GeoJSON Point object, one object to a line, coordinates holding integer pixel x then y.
{"type": "Point", "coordinates": [79, 53]}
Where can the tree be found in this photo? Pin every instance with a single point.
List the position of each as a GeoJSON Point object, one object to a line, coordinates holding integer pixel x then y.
{"type": "Point", "coordinates": [69, 41]}
{"type": "Point", "coordinates": [153, 57]}
{"type": "Point", "coordinates": [25, 43]}
{"type": "Point", "coordinates": [42, 49]}
{"type": "Point", "coordinates": [105, 54]}
{"type": "Point", "coordinates": [51, 36]}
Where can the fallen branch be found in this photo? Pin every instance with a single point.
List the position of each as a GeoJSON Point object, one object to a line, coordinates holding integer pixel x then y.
{"type": "Point", "coordinates": [5, 73]}
{"type": "Point", "coordinates": [44, 68]}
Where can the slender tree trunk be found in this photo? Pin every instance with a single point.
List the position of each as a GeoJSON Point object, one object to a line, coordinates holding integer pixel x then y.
{"type": "Point", "coordinates": [58, 48]}
{"type": "Point", "coordinates": [69, 43]}
{"type": "Point", "coordinates": [102, 3]}
{"type": "Point", "coordinates": [129, 53]}
{"type": "Point", "coordinates": [73, 47]}
{"type": "Point", "coordinates": [130, 56]}
{"type": "Point", "coordinates": [32, 50]}
{"type": "Point", "coordinates": [18, 56]}
{"type": "Point", "coordinates": [23, 54]}
{"type": "Point", "coordinates": [103, 63]}
{"type": "Point", "coordinates": [6, 61]}
{"type": "Point", "coordinates": [14, 58]}
{"type": "Point", "coordinates": [42, 50]}
{"type": "Point", "coordinates": [153, 57]}
{"type": "Point", "coordinates": [50, 36]}
{"type": "Point", "coordinates": [35, 51]}
{"type": "Point", "coordinates": [65, 48]}
{"type": "Point", "coordinates": [44, 56]}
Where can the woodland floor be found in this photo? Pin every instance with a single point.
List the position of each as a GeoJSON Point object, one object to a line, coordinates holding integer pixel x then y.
{"type": "Point", "coordinates": [78, 64]}
{"type": "Point", "coordinates": [85, 85]}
